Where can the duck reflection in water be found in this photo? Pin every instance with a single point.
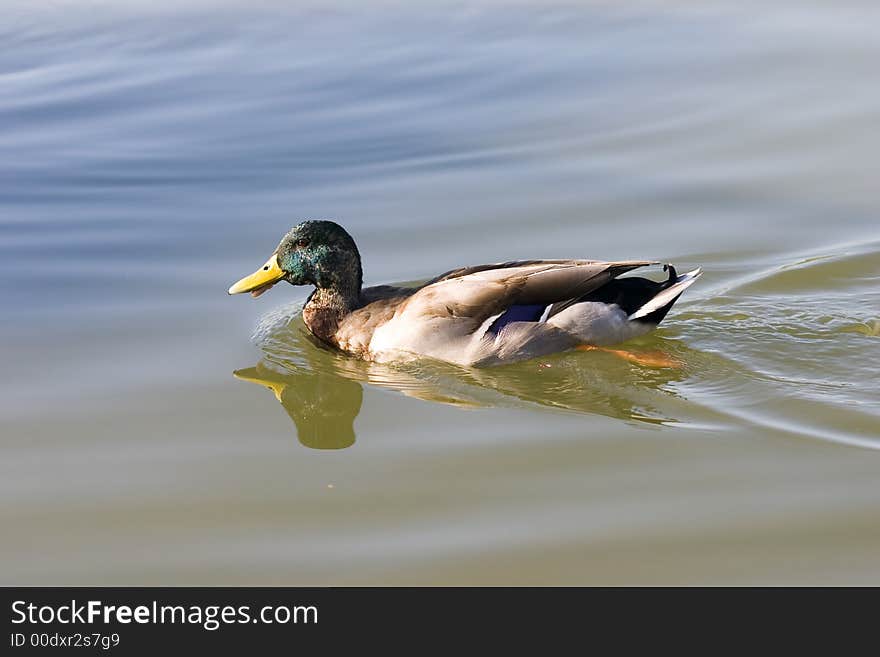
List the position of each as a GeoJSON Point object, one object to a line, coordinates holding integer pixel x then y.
{"type": "Point", "coordinates": [323, 406]}
{"type": "Point", "coordinates": [322, 390]}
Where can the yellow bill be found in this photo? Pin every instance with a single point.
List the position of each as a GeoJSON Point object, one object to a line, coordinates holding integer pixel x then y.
{"type": "Point", "coordinates": [252, 374]}
{"type": "Point", "coordinates": [261, 280]}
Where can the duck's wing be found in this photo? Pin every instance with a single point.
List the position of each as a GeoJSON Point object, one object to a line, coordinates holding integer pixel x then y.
{"type": "Point", "coordinates": [495, 312]}
{"type": "Point", "coordinates": [475, 294]}
{"type": "Point", "coordinates": [510, 264]}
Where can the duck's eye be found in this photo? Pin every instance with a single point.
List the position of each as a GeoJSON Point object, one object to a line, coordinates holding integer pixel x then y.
{"type": "Point", "coordinates": [302, 242]}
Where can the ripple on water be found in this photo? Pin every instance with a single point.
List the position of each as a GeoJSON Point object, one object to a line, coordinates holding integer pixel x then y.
{"type": "Point", "coordinates": [797, 334]}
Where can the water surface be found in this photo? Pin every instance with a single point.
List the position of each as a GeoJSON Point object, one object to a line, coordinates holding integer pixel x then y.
{"type": "Point", "coordinates": [150, 157]}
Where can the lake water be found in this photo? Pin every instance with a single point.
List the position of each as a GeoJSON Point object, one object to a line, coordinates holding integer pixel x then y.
{"type": "Point", "coordinates": [151, 157]}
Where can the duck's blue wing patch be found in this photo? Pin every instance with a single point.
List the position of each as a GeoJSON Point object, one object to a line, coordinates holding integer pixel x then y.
{"type": "Point", "coordinates": [530, 313]}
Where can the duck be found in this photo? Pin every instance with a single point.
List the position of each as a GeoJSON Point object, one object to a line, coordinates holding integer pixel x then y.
{"type": "Point", "coordinates": [475, 316]}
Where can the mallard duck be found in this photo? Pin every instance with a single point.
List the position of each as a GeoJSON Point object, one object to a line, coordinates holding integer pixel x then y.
{"type": "Point", "coordinates": [473, 316]}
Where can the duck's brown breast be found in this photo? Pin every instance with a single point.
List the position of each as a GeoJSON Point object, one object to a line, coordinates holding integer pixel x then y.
{"type": "Point", "coordinates": [355, 330]}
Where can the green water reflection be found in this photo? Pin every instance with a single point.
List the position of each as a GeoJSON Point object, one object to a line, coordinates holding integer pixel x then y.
{"type": "Point", "coordinates": [322, 406]}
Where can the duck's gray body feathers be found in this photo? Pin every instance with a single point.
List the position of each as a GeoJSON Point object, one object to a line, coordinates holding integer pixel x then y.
{"type": "Point", "coordinates": [491, 314]}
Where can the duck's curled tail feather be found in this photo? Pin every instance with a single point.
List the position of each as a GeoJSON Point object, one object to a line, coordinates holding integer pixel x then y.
{"type": "Point", "coordinates": [655, 309]}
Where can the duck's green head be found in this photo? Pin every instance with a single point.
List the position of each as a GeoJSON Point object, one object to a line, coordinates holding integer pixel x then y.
{"type": "Point", "coordinates": [319, 253]}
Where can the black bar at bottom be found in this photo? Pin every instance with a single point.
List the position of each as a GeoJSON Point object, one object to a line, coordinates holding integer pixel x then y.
{"type": "Point", "coordinates": [124, 621]}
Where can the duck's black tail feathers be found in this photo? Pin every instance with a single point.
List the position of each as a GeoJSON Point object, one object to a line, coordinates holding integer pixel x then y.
{"type": "Point", "coordinates": [655, 309]}
{"type": "Point", "coordinates": [642, 299]}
